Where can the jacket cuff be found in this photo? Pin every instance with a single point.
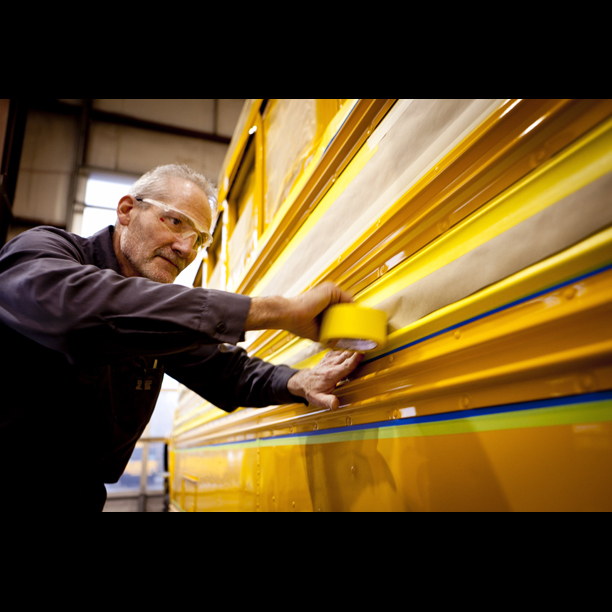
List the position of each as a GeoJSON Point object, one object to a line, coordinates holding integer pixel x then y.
{"type": "Point", "coordinates": [283, 374]}
{"type": "Point", "coordinates": [224, 316]}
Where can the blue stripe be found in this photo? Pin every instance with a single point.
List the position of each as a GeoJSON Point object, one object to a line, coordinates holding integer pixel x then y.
{"type": "Point", "coordinates": [465, 414]}
{"type": "Point", "coordinates": [491, 312]}
{"type": "Point", "coordinates": [447, 416]}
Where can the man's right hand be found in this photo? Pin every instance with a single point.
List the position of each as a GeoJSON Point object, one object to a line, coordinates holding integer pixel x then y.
{"type": "Point", "coordinates": [299, 315]}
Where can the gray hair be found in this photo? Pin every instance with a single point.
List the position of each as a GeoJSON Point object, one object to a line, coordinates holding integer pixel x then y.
{"type": "Point", "coordinates": [153, 184]}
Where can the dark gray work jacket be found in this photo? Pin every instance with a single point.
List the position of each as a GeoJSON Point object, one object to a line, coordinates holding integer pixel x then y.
{"type": "Point", "coordinates": [78, 342]}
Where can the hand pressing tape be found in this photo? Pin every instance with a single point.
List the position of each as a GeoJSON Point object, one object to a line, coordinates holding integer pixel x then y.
{"type": "Point", "coordinates": [352, 327]}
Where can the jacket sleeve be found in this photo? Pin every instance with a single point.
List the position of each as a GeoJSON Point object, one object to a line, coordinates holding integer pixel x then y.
{"type": "Point", "coordinates": [51, 295]}
{"type": "Point", "coordinates": [228, 378]}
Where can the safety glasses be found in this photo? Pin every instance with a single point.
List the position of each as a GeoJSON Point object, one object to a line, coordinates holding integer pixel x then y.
{"type": "Point", "coordinates": [181, 224]}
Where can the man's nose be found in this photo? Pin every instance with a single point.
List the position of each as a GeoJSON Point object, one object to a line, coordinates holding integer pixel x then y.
{"type": "Point", "coordinates": [184, 246]}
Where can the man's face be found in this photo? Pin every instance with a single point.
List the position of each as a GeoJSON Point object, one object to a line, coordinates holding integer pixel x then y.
{"type": "Point", "coordinates": [149, 248]}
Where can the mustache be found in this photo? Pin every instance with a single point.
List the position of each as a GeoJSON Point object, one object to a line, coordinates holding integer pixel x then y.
{"type": "Point", "coordinates": [170, 256]}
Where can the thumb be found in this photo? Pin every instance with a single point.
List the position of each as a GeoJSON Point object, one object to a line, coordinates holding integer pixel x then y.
{"type": "Point", "coordinates": [324, 400]}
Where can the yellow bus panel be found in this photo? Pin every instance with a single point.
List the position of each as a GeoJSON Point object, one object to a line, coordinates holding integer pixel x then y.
{"type": "Point", "coordinates": [483, 229]}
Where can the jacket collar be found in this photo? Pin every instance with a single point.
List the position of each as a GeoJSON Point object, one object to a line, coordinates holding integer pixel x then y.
{"type": "Point", "coordinates": [103, 252]}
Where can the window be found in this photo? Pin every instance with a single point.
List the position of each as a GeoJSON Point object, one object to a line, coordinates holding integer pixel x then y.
{"type": "Point", "coordinates": [99, 210]}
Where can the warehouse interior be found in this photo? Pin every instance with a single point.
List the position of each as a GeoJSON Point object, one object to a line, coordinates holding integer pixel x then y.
{"type": "Point", "coordinates": [472, 371]}
{"type": "Point", "coordinates": [66, 163]}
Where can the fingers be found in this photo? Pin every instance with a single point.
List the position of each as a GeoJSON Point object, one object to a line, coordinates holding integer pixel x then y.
{"type": "Point", "coordinates": [326, 294]}
{"type": "Point", "coordinates": [337, 365]}
{"type": "Point", "coordinates": [303, 312]}
{"type": "Point", "coordinates": [349, 358]}
{"type": "Point", "coordinates": [352, 362]}
{"type": "Point", "coordinates": [318, 384]}
{"type": "Point", "coordinates": [335, 294]}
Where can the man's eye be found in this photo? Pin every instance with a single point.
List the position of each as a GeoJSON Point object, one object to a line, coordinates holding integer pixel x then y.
{"type": "Point", "coordinates": [173, 221]}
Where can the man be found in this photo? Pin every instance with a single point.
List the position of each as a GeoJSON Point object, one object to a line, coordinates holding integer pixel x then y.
{"type": "Point", "coordinates": [90, 325]}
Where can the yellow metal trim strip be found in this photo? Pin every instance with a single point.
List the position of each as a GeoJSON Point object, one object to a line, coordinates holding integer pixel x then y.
{"type": "Point", "coordinates": [236, 147]}
{"type": "Point", "coordinates": [590, 254]}
{"type": "Point", "coordinates": [572, 414]}
{"type": "Point", "coordinates": [205, 413]}
{"type": "Point", "coordinates": [349, 173]}
{"type": "Point", "coordinates": [577, 166]}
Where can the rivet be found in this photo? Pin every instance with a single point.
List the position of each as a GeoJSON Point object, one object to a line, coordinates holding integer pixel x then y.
{"type": "Point", "coordinates": [541, 154]}
{"type": "Point", "coordinates": [293, 503]}
{"type": "Point", "coordinates": [315, 427]}
{"type": "Point", "coordinates": [569, 293]}
{"type": "Point", "coordinates": [457, 334]}
{"type": "Point", "coordinates": [353, 469]}
{"type": "Point", "coordinates": [465, 401]}
{"type": "Point", "coordinates": [587, 381]}
{"type": "Point", "coordinates": [348, 420]}
{"type": "Point", "coordinates": [391, 358]}
{"type": "Point", "coordinates": [273, 499]}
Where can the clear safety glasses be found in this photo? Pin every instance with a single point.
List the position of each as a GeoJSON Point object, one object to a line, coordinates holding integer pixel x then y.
{"type": "Point", "coordinates": [181, 224]}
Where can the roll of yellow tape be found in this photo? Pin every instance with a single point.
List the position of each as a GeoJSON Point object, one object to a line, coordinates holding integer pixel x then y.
{"type": "Point", "coordinates": [352, 327]}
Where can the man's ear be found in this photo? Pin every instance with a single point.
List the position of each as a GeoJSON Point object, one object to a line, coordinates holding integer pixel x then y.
{"type": "Point", "coordinates": [124, 209]}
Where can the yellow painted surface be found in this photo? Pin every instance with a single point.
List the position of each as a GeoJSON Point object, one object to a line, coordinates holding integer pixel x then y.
{"type": "Point", "coordinates": [554, 468]}
{"type": "Point", "coordinates": [554, 346]}
{"type": "Point", "coordinates": [500, 401]}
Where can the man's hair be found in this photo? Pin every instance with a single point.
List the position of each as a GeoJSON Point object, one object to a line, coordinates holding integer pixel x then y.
{"type": "Point", "coordinates": [153, 184]}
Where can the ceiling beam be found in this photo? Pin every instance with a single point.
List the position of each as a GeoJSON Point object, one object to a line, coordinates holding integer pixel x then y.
{"type": "Point", "coordinates": [55, 106]}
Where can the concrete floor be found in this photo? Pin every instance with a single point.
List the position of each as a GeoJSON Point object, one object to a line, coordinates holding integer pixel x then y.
{"type": "Point", "coordinates": [153, 503]}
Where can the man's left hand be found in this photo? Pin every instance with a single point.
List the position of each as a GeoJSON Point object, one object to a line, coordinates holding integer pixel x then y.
{"type": "Point", "coordinates": [318, 383]}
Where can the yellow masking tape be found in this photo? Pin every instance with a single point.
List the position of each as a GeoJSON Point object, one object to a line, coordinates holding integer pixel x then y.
{"type": "Point", "coordinates": [352, 327]}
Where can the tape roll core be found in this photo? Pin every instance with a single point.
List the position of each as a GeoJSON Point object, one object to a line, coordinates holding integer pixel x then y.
{"type": "Point", "coordinates": [352, 327]}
